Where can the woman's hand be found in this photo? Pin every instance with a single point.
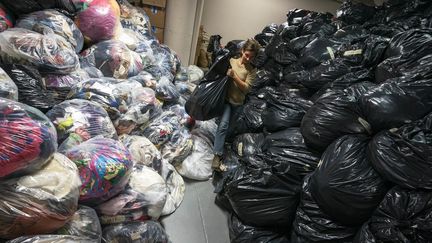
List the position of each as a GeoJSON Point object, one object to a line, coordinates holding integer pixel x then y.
{"type": "Point", "coordinates": [230, 73]}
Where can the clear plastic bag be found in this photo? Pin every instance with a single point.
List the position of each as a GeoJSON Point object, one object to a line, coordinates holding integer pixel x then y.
{"type": "Point", "coordinates": [166, 90]}
{"type": "Point", "coordinates": [107, 92]}
{"type": "Point", "coordinates": [8, 88]}
{"type": "Point", "coordinates": [143, 198]}
{"type": "Point", "coordinates": [197, 165]}
{"type": "Point", "coordinates": [179, 146]}
{"type": "Point", "coordinates": [6, 20]}
{"type": "Point", "coordinates": [79, 120]}
{"type": "Point", "coordinates": [105, 166]}
{"type": "Point", "coordinates": [146, 79]}
{"type": "Point", "coordinates": [84, 223]}
{"type": "Point", "coordinates": [112, 57]}
{"type": "Point", "coordinates": [50, 54]}
{"type": "Point", "coordinates": [65, 82]}
{"type": "Point", "coordinates": [99, 21]}
{"type": "Point", "coordinates": [143, 107]}
{"type": "Point", "coordinates": [139, 232]}
{"type": "Point", "coordinates": [31, 89]}
{"type": "Point", "coordinates": [195, 74]}
{"type": "Point", "coordinates": [52, 238]}
{"type": "Point", "coordinates": [53, 22]}
{"type": "Point", "coordinates": [143, 151]}
{"type": "Point", "coordinates": [161, 128]}
{"type": "Point", "coordinates": [41, 202]}
{"type": "Point", "coordinates": [134, 19]}
{"type": "Point", "coordinates": [28, 139]}
{"type": "Point", "coordinates": [176, 187]}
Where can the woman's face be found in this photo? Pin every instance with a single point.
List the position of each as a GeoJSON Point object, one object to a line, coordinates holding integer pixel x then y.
{"type": "Point", "coordinates": [247, 56]}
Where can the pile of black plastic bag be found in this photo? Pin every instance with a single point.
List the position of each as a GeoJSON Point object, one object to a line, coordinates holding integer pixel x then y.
{"type": "Point", "coordinates": [334, 142]}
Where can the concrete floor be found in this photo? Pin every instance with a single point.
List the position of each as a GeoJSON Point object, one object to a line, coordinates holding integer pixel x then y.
{"type": "Point", "coordinates": [198, 219]}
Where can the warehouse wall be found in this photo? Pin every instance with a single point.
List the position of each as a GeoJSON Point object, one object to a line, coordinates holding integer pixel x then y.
{"type": "Point", "coordinates": [179, 27]}
{"type": "Point", "coordinates": [241, 19]}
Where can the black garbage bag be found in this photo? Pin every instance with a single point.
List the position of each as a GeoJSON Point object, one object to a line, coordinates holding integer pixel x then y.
{"type": "Point", "coordinates": [214, 44]}
{"type": "Point", "coordinates": [332, 116]}
{"type": "Point", "coordinates": [232, 162]}
{"type": "Point", "coordinates": [31, 90]}
{"type": "Point", "coordinates": [295, 16]}
{"type": "Point", "coordinates": [288, 147]}
{"type": "Point", "coordinates": [362, 78]}
{"type": "Point", "coordinates": [359, 89]}
{"type": "Point", "coordinates": [317, 51]}
{"type": "Point", "coordinates": [403, 155]}
{"type": "Point", "coordinates": [262, 195]}
{"type": "Point", "coordinates": [322, 74]}
{"type": "Point", "coordinates": [242, 233]}
{"type": "Point", "coordinates": [407, 50]}
{"type": "Point", "coordinates": [351, 33]}
{"type": "Point", "coordinates": [260, 58]}
{"type": "Point", "coordinates": [248, 118]}
{"type": "Point", "coordinates": [311, 224]}
{"type": "Point", "coordinates": [403, 216]}
{"type": "Point", "coordinates": [318, 27]}
{"type": "Point", "coordinates": [355, 13]}
{"type": "Point", "coordinates": [263, 78]}
{"type": "Point", "coordinates": [28, 6]}
{"type": "Point", "coordinates": [392, 104]}
{"type": "Point", "coordinates": [266, 34]}
{"type": "Point", "coordinates": [148, 231]}
{"type": "Point", "coordinates": [208, 99]}
{"type": "Point", "coordinates": [283, 111]}
{"type": "Point", "coordinates": [248, 144]}
{"type": "Point", "coordinates": [297, 44]}
{"type": "Point", "coordinates": [345, 186]}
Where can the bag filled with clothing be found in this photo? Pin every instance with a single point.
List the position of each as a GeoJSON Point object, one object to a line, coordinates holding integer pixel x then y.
{"type": "Point", "coordinates": [208, 99]}
{"type": "Point", "coordinates": [28, 139]}
{"type": "Point", "coordinates": [40, 202]}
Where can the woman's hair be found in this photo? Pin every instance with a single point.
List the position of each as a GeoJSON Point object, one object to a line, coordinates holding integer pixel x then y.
{"type": "Point", "coordinates": [251, 45]}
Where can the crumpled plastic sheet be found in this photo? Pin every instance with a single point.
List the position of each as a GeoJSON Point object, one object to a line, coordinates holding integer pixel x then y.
{"type": "Point", "coordinates": [148, 231]}
{"type": "Point", "coordinates": [84, 223]}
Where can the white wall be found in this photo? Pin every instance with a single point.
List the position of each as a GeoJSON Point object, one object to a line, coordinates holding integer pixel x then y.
{"type": "Point", "coordinates": [242, 19]}
{"type": "Point", "coordinates": [179, 27]}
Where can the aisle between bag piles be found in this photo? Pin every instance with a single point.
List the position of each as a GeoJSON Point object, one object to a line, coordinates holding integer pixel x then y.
{"type": "Point", "coordinates": [198, 219]}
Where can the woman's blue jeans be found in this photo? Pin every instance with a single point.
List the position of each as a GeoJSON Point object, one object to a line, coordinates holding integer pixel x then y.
{"type": "Point", "coordinates": [229, 110]}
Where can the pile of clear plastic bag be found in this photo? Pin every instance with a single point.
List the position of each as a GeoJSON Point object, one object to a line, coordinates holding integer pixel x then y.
{"type": "Point", "coordinates": [28, 139]}
{"type": "Point", "coordinates": [79, 120]}
{"type": "Point", "coordinates": [105, 166]}
{"type": "Point", "coordinates": [50, 22]}
{"type": "Point", "coordinates": [49, 53]}
{"type": "Point", "coordinates": [41, 202]}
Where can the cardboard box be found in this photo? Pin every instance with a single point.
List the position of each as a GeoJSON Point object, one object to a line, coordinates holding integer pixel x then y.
{"type": "Point", "coordinates": [159, 33]}
{"type": "Point", "coordinates": [156, 15]}
{"type": "Point", "coordinates": [157, 3]}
